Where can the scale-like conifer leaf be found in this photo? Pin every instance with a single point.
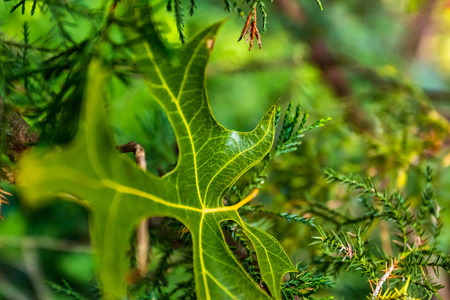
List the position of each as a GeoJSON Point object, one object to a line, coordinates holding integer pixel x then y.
{"type": "Point", "coordinates": [119, 195]}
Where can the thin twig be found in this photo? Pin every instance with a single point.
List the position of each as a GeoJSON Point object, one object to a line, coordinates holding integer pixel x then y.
{"type": "Point", "coordinates": [45, 242]}
{"type": "Point", "coordinates": [9, 291]}
{"type": "Point", "coordinates": [31, 258]}
{"type": "Point", "coordinates": [142, 236]}
{"type": "Point", "coordinates": [138, 150]}
{"type": "Point", "coordinates": [380, 282]}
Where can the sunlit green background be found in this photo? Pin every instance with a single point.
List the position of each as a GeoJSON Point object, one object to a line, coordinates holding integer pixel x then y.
{"type": "Point", "coordinates": [391, 60]}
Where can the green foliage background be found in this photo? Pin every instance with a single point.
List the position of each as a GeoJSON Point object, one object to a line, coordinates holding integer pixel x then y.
{"type": "Point", "coordinates": [390, 125]}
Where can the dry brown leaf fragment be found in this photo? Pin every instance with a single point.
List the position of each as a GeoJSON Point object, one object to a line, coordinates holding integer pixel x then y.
{"type": "Point", "coordinates": [251, 29]}
{"type": "Point", "coordinates": [3, 199]}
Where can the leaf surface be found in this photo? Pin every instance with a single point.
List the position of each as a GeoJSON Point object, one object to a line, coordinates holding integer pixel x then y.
{"type": "Point", "coordinates": [119, 195]}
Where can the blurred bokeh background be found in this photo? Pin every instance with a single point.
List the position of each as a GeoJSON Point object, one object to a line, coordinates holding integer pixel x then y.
{"type": "Point", "coordinates": [380, 69]}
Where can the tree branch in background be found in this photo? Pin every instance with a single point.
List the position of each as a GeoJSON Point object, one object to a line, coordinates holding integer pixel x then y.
{"type": "Point", "coordinates": [329, 65]}
{"type": "Point", "coordinates": [45, 242]}
{"type": "Point", "coordinates": [16, 138]}
{"type": "Point", "coordinates": [139, 153]}
{"type": "Point", "coordinates": [31, 259]}
{"type": "Point", "coordinates": [421, 29]}
{"type": "Point", "coordinates": [142, 236]}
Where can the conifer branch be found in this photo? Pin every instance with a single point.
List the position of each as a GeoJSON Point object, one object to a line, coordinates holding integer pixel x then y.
{"type": "Point", "coordinates": [417, 252]}
{"type": "Point", "coordinates": [304, 283]}
{"type": "Point", "coordinates": [179, 18]}
{"type": "Point", "coordinates": [65, 290]}
{"type": "Point", "coordinates": [292, 130]}
{"type": "Point", "coordinates": [249, 261]}
{"type": "Point", "coordinates": [286, 216]}
{"type": "Point", "coordinates": [191, 7]}
{"type": "Point", "coordinates": [382, 280]}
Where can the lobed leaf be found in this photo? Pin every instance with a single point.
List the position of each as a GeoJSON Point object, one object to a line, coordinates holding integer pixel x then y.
{"type": "Point", "coordinates": [119, 195]}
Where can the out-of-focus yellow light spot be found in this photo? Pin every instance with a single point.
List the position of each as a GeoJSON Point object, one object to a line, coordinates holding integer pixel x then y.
{"type": "Point", "coordinates": [401, 179]}
{"type": "Point", "coordinates": [388, 70]}
{"type": "Point", "coordinates": [434, 115]}
{"type": "Point", "coordinates": [446, 161]}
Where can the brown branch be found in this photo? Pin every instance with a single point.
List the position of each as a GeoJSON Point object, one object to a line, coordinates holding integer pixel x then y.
{"type": "Point", "coordinates": [138, 150]}
{"type": "Point", "coordinates": [420, 30]}
{"type": "Point", "coordinates": [142, 237]}
{"type": "Point", "coordinates": [45, 242]}
{"type": "Point", "coordinates": [328, 63]}
{"type": "Point", "coordinates": [16, 138]}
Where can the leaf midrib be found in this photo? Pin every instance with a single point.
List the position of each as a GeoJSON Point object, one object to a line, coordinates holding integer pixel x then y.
{"type": "Point", "coordinates": [204, 210]}
{"type": "Point", "coordinates": [113, 185]}
{"type": "Point", "coordinates": [176, 101]}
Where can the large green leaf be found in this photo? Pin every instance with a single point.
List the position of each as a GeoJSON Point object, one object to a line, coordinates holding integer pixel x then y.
{"type": "Point", "coordinates": [119, 195]}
